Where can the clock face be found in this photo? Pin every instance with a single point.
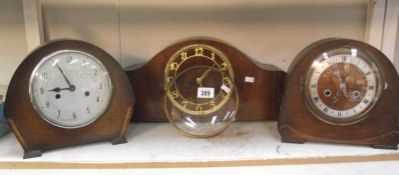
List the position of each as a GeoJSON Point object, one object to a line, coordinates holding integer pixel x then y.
{"type": "Point", "coordinates": [199, 79]}
{"type": "Point", "coordinates": [70, 89]}
{"type": "Point", "coordinates": [342, 86]}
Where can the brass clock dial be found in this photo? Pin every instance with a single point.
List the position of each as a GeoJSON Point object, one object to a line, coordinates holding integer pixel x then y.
{"type": "Point", "coordinates": [342, 86]}
{"type": "Point", "coordinates": [214, 66]}
{"type": "Point", "coordinates": [201, 99]}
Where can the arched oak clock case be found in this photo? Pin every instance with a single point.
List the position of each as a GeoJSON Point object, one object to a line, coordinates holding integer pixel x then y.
{"type": "Point", "coordinates": [35, 134]}
{"type": "Point", "coordinates": [355, 98]}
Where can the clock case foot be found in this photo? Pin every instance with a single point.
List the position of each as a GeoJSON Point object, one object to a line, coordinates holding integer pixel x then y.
{"type": "Point", "coordinates": [118, 141]}
{"type": "Point", "coordinates": [389, 140]}
{"type": "Point", "coordinates": [32, 154]}
{"type": "Point", "coordinates": [38, 153]}
{"type": "Point", "coordinates": [391, 147]}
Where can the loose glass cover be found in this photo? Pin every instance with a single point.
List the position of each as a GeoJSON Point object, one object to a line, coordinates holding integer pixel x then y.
{"type": "Point", "coordinates": [201, 101]}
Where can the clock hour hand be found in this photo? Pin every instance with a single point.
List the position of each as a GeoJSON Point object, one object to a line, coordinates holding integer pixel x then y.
{"type": "Point", "coordinates": [206, 72]}
{"type": "Point", "coordinates": [57, 89]}
{"type": "Point", "coordinates": [71, 87]}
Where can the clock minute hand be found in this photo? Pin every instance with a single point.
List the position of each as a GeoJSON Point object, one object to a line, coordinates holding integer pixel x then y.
{"type": "Point", "coordinates": [71, 87]}
{"type": "Point", "coordinates": [337, 73]}
{"type": "Point", "coordinates": [206, 72]}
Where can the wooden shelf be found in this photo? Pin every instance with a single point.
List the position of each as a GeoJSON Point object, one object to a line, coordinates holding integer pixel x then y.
{"type": "Point", "coordinates": [159, 145]}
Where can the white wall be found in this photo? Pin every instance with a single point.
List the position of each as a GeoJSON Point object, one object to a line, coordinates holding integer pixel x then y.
{"type": "Point", "coordinates": [13, 47]}
{"type": "Point", "coordinates": [268, 31]}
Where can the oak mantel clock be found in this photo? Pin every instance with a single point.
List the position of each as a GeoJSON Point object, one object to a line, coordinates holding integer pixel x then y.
{"type": "Point", "coordinates": [65, 93]}
{"type": "Point", "coordinates": [341, 91]}
{"type": "Point", "coordinates": [259, 86]}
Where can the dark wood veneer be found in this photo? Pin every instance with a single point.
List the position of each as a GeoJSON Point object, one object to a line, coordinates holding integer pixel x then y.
{"type": "Point", "coordinates": [36, 135]}
{"type": "Point", "coordinates": [380, 127]}
{"type": "Point", "coordinates": [258, 101]}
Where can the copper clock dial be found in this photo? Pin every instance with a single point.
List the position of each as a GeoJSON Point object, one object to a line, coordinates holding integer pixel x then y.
{"type": "Point", "coordinates": [342, 85]}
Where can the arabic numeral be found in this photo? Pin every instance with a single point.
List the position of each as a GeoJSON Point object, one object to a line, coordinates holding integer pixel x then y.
{"type": "Point", "coordinates": [88, 110]}
{"type": "Point", "coordinates": [42, 91]}
{"type": "Point", "coordinates": [47, 104]}
{"type": "Point", "coordinates": [44, 75]}
{"type": "Point", "coordinates": [74, 116]}
{"type": "Point", "coordinates": [100, 86]}
{"type": "Point", "coordinates": [69, 59]}
{"type": "Point", "coordinates": [199, 51]}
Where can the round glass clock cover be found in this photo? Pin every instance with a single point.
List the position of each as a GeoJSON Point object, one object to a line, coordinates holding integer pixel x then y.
{"type": "Point", "coordinates": [70, 89]}
{"type": "Point", "coordinates": [201, 99]}
{"type": "Point", "coordinates": [342, 85]}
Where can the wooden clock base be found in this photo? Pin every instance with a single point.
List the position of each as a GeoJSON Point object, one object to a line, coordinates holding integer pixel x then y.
{"type": "Point", "coordinates": [38, 153]}
{"type": "Point", "coordinates": [389, 140]}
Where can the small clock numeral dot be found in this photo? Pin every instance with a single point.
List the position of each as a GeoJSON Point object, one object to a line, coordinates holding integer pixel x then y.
{"type": "Point", "coordinates": [98, 99]}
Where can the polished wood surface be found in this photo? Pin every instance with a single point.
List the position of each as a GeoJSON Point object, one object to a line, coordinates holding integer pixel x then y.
{"type": "Point", "coordinates": [380, 126]}
{"type": "Point", "coordinates": [258, 101]}
{"type": "Point", "coordinates": [36, 135]}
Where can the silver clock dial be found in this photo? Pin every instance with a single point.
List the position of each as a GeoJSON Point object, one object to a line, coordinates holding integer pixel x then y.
{"type": "Point", "coordinates": [70, 89]}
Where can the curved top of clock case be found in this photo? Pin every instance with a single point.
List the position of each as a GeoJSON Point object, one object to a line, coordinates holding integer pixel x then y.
{"type": "Point", "coordinates": [36, 134]}
{"type": "Point", "coordinates": [296, 114]}
{"type": "Point", "coordinates": [258, 100]}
